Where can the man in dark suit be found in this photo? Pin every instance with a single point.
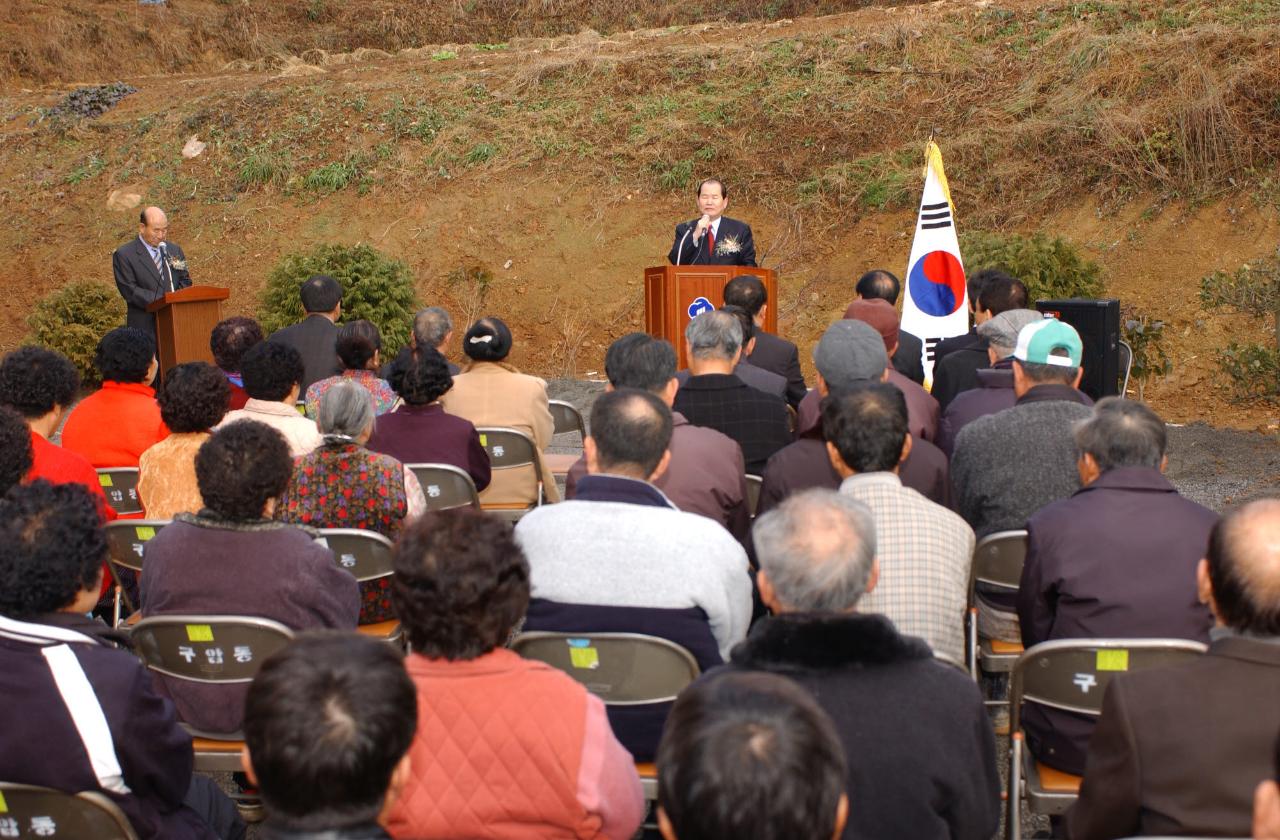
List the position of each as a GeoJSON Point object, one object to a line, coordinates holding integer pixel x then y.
{"type": "Point", "coordinates": [714, 239]}
{"type": "Point", "coordinates": [970, 340]}
{"type": "Point", "coordinates": [314, 336]}
{"type": "Point", "coordinates": [908, 359]}
{"type": "Point", "coordinates": [1180, 750]}
{"type": "Point", "coordinates": [147, 268]}
{"type": "Point", "coordinates": [957, 372]}
{"type": "Point", "coordinates": [774, 354]}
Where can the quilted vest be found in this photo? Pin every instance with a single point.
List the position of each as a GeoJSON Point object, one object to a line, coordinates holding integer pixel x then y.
{"type": "Point", "coordinates": [497, 752]}
{"type": "Point", "coordinates": [344, 485]}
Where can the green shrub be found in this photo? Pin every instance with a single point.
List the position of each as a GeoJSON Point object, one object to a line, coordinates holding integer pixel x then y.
{"type": "Point", "coordinates": [1050, 268]}
{"type": "Point", "coordinates": [1145, 337]}
{"type": "Point", "coordinates": [1254, 370]}
{"type": "Point", "coordinates": [73, 319]}
{"type": "Point", "coordinates": [375, 287]}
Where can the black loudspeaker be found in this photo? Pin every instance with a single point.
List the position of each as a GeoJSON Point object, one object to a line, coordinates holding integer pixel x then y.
{"type": "Point", "coordinates": [1098, 322]}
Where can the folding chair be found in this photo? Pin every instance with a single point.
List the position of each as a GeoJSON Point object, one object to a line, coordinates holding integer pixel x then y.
{"type": "Point", "coordinates": [367, 556]}
{"type": "Point", "coordinates": [218, 649]}
{"type": "Point", "coordinates": [28, 811]}
{"type": "Point", "coordinates": [1126, 366]}
{"type": "Point", "coordinates": [754, 483]}
{"type": "Point", "coordinates": [1071, 675]}
{"type": "Point", "coordinates": [126, 540]}
{"type": "Point", "coordinates": [511, 449]}
{"type": "Point", "coordinates": [121, 486]}
{"type": "Point", "coordinates": [446, 486]}
{"type": "Point", "coordinates": [622, 669]}
{"type": "Point", "coordinates": [997, 563]}
{"type": "Point", "coordinates": [566, 418]}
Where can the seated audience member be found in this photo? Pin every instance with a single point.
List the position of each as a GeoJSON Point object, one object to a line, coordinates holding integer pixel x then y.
{"type": "Point", "coordinates": [908, 359]}
{"type": "Point", "coordinates": [228, 342]}
{"type": "Point", "coordinates": [770, 352]}
{"type": "Point", "coordinates": [716, 398]}
{"type": "Point", "coordinates": [506, 747]}
{"type": "Point", "coordinates": [314, 336]}
{"type": "Point", "coordinates": [419, 431]}
{"type": "Point", "coordinates": [750, 755]}
{"type": "Point", "coordinates": [974, 283]}
{"type": "Point", "coordinates": [706, 474]}
{"type": "Point", "coordinates": [1180, 750]}
{"type": "Point", "coordinates": [41, 385]}
{"type": "Point", "coordinates": [113, 426]}
{"type": "Point", "coordinates": [849, 352]}
{"type": "Point", "coordinates": [341, 484]}
{"type": "Point", "coordinates": [432, 330]}
{"type": "Point", "coordinates": [1117, 559]}
{"type": "Point", "coordinates": [491, 392]}
{"type": "Point", "coordinates": [994, 389]}
{"type": "Point", "coordinates": [921, 757]}
{"type": "Point", "coordinates": [758, 378]}
{"type": "Point", "coordinates": [922, 408]}
{"type": "Point", "coordinates": [924, 550]}
{"type": "Point", "coordinates": [232, 559]}
{"type": "Point", "coordinates": [359, 348]}
{"type": "Point", "coordinates": [1266, 805]}
{"type": "Point", "coordinates": [620, 557]}
{"type": "Point", "coordinates": [327, 725]}
{"type": "Point", "coordinates": [15, 449]}
{"type": "Point", "coordinates": [272, 376]}
{"type": "Point", "coordinates": [958, 372]}
{"type": "Point", "coordinates": [59, 669]}
{"type": "Point", "coordinates": [192, 400]}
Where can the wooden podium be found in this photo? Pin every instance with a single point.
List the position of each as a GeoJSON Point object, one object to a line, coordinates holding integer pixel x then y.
{"type": "Point", "coordinates": [184, 321]}
{"type": "Point", "coordinates": [671, 291]}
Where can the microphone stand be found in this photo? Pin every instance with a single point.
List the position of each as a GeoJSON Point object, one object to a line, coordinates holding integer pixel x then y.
{"type": "Point", "coordinates": [680, 249]}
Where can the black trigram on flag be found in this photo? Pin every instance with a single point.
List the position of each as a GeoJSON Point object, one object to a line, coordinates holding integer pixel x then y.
{"type": "Point", "coordinates": [934, 216]}
{"type": "Point", "coordinates": [931, 346]}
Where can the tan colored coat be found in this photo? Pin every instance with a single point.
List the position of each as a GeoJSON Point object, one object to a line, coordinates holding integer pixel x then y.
{"type": "Point", "coordinates": [495, 394]}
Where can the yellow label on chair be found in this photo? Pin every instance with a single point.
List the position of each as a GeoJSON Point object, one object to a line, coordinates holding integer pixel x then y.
{"type": "Point", "coordinates": [199, 633]}
{"type": "Point", "coordinates": [1113, 660]}
{"type": "Point", "coordinates": [587, 657]}
{"type": "Point", "coordinates": [104, 480]}
{"type": "Point", "coordinates": [145, 533]}
{"type": "Point", "coordinates": [4, 806]}
{"type": "Point", "coordinates": [484, 440]}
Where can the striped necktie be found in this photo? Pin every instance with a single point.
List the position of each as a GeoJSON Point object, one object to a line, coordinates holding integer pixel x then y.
{"type": "Point", "coordinates": [159, 260]}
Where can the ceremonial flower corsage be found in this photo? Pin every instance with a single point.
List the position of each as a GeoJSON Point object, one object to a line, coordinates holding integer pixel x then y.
{"type": "Point", "coordinates": [177, 264]}
{"type": "Point", "coordinates": [728, 245]}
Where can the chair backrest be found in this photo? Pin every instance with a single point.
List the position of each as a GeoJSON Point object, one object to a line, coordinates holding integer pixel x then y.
{"type": "Point", "coordinates": [511, 449]}
{"type": "Point", "coordinates": [1073, 674]}
{"type": "Point", "coordinates": [1126, 366]}
{"type": "Point", "coordinates": [446, 486]}
{"type": "Point", "coordinates": [121, 486]}
{"type": "Point", "coordinates": [567, 418]}
{"type": "Point", "coordinates": [754, 483]}
{"type": "Point", "coordinates": [622, 669]}
{"type": "Point", "coordinates": [998, 559]}
{"type": "Point", "coordinates": [365, 554]}
{"type": "Point", "coordinates": [127, 540]}
{"type": "Point", "coordinates": [208, 648]}
{"type": "Point", "coordinates": [27, 811]}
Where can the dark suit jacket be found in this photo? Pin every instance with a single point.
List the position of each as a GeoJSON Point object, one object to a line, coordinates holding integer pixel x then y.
{"type": "Point", "coordinates": [756, 420]}
{"type": "Point", "coordinates": [908, 358]}
{"type": "Point", "coordinates": [777, 355]}
{"type": "Point", "coordinates": [698, 254]}
{"type": "Point", "coordinates": [756, 377]}
{"type": "Point", "coordinates": [313, 337]}
{"type": "Point", "coordinates": [958, 373]}
{"type": "Point", "coordinates": [141, 285]}
{"type": "Point", "coordinates": [954, 343]}
{"type": "Point", "coordinates": [1178, 751]}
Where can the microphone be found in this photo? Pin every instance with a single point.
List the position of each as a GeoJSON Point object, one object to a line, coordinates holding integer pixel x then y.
{"type": "Point", "coordinates": [688, 230]}
{"type": "Point", "coordinates": [164, 259]}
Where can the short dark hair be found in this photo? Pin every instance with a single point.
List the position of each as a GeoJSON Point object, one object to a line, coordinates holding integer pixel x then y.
{"type": "Point", "coordinates": [724, 191]}
{"type": "Point", "coordinates": [270, 370]}
{"type": "Point", "coordinates": [1122, 433]}
{"type": "Point", "coordinates": [750, 754]}
{"type": "Point", "coordinates": [488, 340]}
{"type": "Point", "coordinates": [1246, 584]}
{"type": "Point", "coordinates": [461, 583]}
{"type": "Point", "coordinates": [34, 380]}
{"type": "Point", "coordinates": [15, 448]}
{"type": "Point", "coordinates": [193, 397]}
{"type": "Point", "coordinates": [878, 284]}
{"type": "Point", "coordinates": [744, 318]}
{"type": "Point", "coordinates": [867, 423]}
{"type": "Point", "coordinates": [1042, 374]}
{"type": "Point", "coordinates": [630, 427]}
{"type": "Point", "coordinates": [125, 355]}
{"type": "Point", "coordinates": [240, 467]}
{"type": "Point", "coordinates": [420, 377]}
{"type": "Point", "coordinates": [1002, 292]}
{"type": "Point", "coordinates": [977, 281]}
{"type": "Point", "coordinates": [747, 291]}
{"type": "Point", "coordinates": [326, 721]}
{"type": "Point", "coordinates": [638, 360]}
{"type": "Point", "coordinates": [231, 338]}
{"type": "Point", "coordinates": [356, 343]}
{"type": "Point", "coordinates": [51, 547]}
{"type": "Point", "coordinates": [320, 293]}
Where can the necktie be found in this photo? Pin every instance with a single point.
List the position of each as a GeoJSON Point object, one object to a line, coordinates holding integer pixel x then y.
{"type": "Point", "coordinates": [711, 240]}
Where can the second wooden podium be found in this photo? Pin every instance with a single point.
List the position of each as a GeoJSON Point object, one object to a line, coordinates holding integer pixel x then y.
{"type": "Point", "coordinates": [184, 321]}
{"type": "Point", "coordinates": [674, 294]}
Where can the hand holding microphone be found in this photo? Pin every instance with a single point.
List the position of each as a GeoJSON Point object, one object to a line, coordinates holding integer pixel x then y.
{"type": "Point", "coordinates": [703, 224]}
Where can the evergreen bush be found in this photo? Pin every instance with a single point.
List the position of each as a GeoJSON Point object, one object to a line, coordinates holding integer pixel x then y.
{"type": "Point", "coordinates": [1050, 268]}
{"type": "Point", "coordinates": [73, 319]}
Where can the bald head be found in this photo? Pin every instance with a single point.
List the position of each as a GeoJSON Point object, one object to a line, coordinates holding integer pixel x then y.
{"type": "Point", "coordinates": [1244, 568]}
{"type": "Point", "coordinates": [630, 433]}
{"type": "Point", "coordinates": [153, 226]}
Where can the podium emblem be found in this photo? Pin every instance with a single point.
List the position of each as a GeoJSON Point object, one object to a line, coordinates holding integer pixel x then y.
{"type": "Point", "coordinates": [699, 305]}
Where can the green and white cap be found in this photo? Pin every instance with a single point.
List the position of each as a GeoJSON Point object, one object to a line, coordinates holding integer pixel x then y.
{"type": "Point", "coordinates": [1037, 343]}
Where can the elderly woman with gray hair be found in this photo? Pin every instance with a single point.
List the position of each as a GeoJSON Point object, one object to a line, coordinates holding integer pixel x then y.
{"type": "Point", "coordinates": [343, 485]}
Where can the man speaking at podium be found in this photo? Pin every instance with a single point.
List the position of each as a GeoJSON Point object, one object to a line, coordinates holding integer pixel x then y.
{"type": "Point", "coordinates": [713, 239]}
{"type": "Point", "coordinates": [147, 268]}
